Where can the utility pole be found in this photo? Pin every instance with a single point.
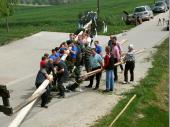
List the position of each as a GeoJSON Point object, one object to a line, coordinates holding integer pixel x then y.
{"type": "Point", "coordinates": [98, 8]}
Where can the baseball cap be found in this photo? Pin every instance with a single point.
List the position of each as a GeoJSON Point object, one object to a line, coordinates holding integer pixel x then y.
{"type": "Point", "coordinates": [43, 63]}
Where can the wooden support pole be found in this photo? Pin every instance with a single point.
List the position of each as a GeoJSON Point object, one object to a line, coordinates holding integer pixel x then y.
{"type": "Point", "coordinates": [23, 112]}
{"type": "Point", "coordinates": [122, 110]}
{"type": "Point", "coordinates": [27, 101]}
{"type": "Point", "coordinates": [85, 27]}
{"type": "Point", "coordinates": [136, 52]}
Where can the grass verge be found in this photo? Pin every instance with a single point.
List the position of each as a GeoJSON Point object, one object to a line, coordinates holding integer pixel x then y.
{"type": "Point", "coordinates": [150, 108]}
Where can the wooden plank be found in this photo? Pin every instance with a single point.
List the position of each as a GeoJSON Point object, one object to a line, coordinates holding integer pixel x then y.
{"type": "Point", "coordinates": [27, 101]}
{"type": "Point", "coordinates": [122, 111]}
{"type": "Point", "coordinates": [24, 111]}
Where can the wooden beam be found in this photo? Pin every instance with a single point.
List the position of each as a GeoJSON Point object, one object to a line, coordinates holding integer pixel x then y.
{"type": "Point", "coordinates": [27, 101]}
{"type": "Point", "coordinates": [122, 111]}
{"type": "Point", "coordinates": [23, 112]}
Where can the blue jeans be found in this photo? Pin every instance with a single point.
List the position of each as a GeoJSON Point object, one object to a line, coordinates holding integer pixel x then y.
{"type": "Point", "coordinates": [109, 80]}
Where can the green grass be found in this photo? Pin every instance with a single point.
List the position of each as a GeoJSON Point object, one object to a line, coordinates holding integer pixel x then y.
{"type": "Point", "coordinates": [28, 20]}
{"type": "Point", "coordinates": [152, 98]}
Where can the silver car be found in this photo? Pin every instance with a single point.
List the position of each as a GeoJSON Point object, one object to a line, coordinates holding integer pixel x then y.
{"type": "Point", "coordinates": [160, 6]}
{"type": "Point", "coordinates": [143, 12]}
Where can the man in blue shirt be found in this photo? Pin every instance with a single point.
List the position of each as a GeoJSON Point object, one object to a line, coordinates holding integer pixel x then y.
{"type": "Point", "coordinates": [53, 55]}
{"type": "Point", "coordinates": [73, 52]}
{"type": "Point", "coordinates": [96, 63]}
{"type": "Point", "coordinates": [98, 48]}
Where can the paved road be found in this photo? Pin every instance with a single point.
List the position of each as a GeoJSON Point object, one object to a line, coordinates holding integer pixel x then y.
{"type": "Point", "coordinates": [20, 62]}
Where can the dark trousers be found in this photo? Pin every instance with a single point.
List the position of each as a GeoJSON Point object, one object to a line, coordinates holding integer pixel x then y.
{"type": "Point", "coordinates": [98, 77]}
{"type": "Point", "coordinates": [44, 96]}
{"type": "Point", "coordinates": [61, 88]}
{"type": "Point", "coordinates": [130, 65]}
{"type": "Point", "coordinates": [121, 67]}
{"type": "Point", "coordinates": [115, 70]}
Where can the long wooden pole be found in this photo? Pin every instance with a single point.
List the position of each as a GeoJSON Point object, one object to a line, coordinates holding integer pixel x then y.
{"type": "Point", "coordinates": [23, 112]}
{"type": "Point", "coordinates": [136, 52]}
{"type": "Point", "coordinates": [85, 27]}
{"type": "Point", "coordinates": [134, 96]}
{"type": "Point", "coordinates": [123, 41]}
{"type": "Point", "coordinates": [27, 101]}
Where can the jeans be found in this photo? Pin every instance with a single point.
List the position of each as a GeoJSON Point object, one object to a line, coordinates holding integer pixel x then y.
{"type": "Point", "coordinates": [109, 80]}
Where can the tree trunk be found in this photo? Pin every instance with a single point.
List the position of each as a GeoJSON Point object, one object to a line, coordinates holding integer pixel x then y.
{"type": "Point", "coordinates": [7, 25]}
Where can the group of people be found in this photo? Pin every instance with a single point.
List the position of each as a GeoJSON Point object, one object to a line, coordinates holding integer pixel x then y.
{"type": "Point", "coordinates": [80, 52]}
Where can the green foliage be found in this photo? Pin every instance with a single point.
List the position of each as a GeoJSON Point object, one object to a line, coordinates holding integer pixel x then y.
{"type": "Point", "coordinates": [7, 7]}
{"type": "Point", "coordinates": [146, 110]}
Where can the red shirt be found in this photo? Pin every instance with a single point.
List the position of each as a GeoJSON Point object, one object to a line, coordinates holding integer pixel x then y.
{"type": "Point", "coordinates": [106, 61]}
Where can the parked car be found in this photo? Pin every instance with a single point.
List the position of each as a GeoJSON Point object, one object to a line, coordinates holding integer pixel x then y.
{"type": "Point", "coordinates": [143, 12]}
{"type": "Point", "coordinates": [160, 6]}
{"type": "Point", "coordinates": [166, 1]}
{"type": "Point", "coordinates": [130, 19]}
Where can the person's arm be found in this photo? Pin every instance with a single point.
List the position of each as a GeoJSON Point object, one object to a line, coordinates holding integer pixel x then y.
{"type": "Point", "coordinates": [48, 77]}
{"type": "Point", "coordinates": [100, 61]}
{"type": "Point", "coordinates": [73, 50]}
{"type": "Point", "coordinates": [60, 71]}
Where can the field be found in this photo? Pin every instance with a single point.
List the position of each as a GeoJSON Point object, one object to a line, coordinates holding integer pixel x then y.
{"type": "Point", "coordinates": [150, 107]}
{"type": "Point", "coordinates": [28, 20]}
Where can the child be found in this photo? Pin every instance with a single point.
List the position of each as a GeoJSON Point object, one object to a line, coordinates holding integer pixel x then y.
{"type": "Point", "coordinates": [130, 65]}
{"type": "Point", "coordinates": [109, 70]}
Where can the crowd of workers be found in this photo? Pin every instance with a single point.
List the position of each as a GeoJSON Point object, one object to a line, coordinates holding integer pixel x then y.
{"type": "Point", "coordinates": [82, 53]}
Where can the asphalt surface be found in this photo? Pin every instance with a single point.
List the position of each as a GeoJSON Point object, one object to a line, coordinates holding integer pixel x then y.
{"type": "Point", "coordinates": [20, 62]}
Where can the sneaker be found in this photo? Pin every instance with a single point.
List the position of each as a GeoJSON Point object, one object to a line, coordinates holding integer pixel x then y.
{"type": "Point", "coordinates": [133, 82]}
{"type": "Point", "coordinates": [106, 91]}
{"type": "Point", "coordinates": [44, 106]}
{"type": "Point", "coordinates": [96, 88]}
{"type": "Point", "coordinates": [89, 86]}
{"type": "Point", "coordinates": [124, 82]}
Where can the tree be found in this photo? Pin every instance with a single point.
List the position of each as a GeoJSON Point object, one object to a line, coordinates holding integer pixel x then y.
{"type": "Point", "coordinates": [7, 9]}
